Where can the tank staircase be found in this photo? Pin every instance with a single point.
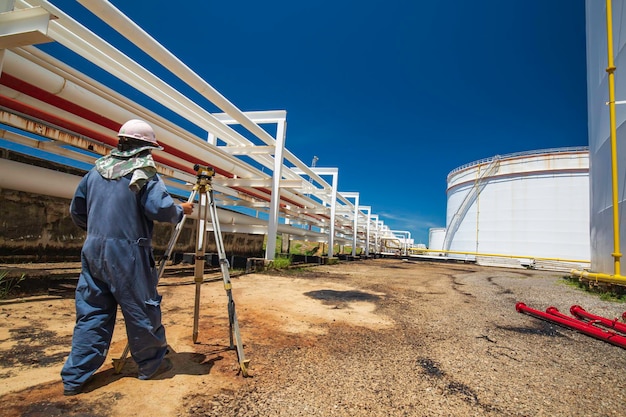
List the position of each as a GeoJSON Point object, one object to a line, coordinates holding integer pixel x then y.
{"type": "Point", "coordinates": [470, 198]}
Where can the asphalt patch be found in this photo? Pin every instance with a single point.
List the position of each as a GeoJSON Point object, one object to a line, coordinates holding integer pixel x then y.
{"type": "Point", "coordinates": [341, 296]}
{"type": "Point", "coordinates": [30, 348]}
{"type": "Point", "coordinates": [430, 367]}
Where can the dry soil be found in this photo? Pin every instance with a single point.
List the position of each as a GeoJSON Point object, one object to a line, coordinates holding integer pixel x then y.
{"type": "Point", "coordinates": [380, 337]}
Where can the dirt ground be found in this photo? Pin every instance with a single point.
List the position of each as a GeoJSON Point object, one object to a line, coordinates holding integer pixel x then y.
{"type": "Point", "coordinates": [382, 337]}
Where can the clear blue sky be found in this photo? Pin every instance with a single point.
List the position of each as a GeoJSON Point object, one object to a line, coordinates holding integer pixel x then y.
{"type": "Point", "coordinates": [394, 93]}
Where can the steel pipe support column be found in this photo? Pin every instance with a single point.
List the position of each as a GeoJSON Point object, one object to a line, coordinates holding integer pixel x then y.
{"type": "Point", "coordinates": [334, 172]}
{"type": "Point", "coordinates": [367, 228]}
{"type": "Point", "coordinates": [356, 218]}
{"type": "Point", "coordinates": [270, 248]}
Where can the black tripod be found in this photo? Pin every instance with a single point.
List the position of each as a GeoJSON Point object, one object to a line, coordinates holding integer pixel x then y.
{"type": "Point", "coordinates": [206, 206]}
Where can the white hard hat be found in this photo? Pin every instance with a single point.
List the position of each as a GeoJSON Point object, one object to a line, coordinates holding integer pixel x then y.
{"type": "Point", "coordinates": [138, 129]}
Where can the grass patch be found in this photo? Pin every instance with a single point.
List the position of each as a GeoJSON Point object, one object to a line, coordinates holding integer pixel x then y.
{"type": "Point", "coordinates": [280, 262]}
{"type": "Point", "coordinates": [605, 291]}
{"type": "Point", "coordinates": [8, 284]}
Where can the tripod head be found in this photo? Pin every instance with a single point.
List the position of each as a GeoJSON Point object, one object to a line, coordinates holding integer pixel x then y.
{"type": "Point", "coordinates": [204, 173]}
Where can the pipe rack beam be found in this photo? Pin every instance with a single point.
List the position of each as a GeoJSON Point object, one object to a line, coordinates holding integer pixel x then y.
{"type": "Point", "coordinates": [224, 134]}
{"type": "Point", "coordinates": [51, 91]}
{"type": "Point", "coordinates": [126, 27]}
{"type": "Point", "coordinates": [23, 26]}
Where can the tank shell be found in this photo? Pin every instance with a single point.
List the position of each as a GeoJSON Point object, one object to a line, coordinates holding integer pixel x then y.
{"type": "Point", "coordinates": [601, 210]}
{"type": "Point", "coordinates": [435, 238]}
{"type": "Point", "coordinates": [529, 204]}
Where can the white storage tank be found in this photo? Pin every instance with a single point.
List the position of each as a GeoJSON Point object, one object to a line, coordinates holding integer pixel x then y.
{"type": "Point", "coordinates": [529, 205]}
{"type": "Point", "coordinates": [602, 243]}
{"type": "Point", "coordinates": [435, 239]}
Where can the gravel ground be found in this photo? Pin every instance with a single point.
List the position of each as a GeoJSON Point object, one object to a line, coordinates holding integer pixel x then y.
{"type": "Point", "coordinates": [454, 346]}
{"type": "Point", "coordinates": [459, 348]}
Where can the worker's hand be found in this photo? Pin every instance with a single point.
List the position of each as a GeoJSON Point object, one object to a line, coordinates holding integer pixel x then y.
{"type": "Point", "coordinates": [187, 208]}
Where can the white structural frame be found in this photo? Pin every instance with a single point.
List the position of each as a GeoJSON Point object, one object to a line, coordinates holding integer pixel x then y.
{"type": "Point", "coordinates": [294, 191]}
{"type": "Point", "coordinates": [406, 237]}
{"type": "Point", "coordinates": [355, 219]}
{"type": "Point", "coordinates": [368, 209]}
{"type": "Point", "coordinates": [280, 119]}
{"type": "Point", "coordinates": [334, 174]}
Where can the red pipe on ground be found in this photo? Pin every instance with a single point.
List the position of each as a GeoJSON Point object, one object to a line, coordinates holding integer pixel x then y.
{"type": "Point", "coordinates": [581, 313]}
{"type": "Point", "coordinates": [555, 312]}
{"type": "Point", "coordinates": [574, 324]}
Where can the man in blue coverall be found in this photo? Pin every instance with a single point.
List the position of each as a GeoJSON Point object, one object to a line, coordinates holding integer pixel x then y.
{"type": "Point", "coordinates": [117, 203]}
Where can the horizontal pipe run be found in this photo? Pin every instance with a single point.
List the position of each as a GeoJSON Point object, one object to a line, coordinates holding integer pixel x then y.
{"type": "Point", "coordinates": [574, 324]}
{"type": "Point", "coordinates": [596, 276]}
{"type": "Point", "coordinates": [34, 91]}
{"type": "Point", "coordinates": [581, 313]}
{"type": "Point", "coordinates": [54, 99]}
{"type": "Point", "coordinates": [64, 89]}
{"type": "Point", "coordinates": [109, 140]}
{"type": "Point", "coordinates": [555, 312]}
{"type": "Point", "coordinates": [502, 255]}
{"type": "Point", "coordinates": [98, 137]}
{"type": "Point", "coordinates": [38, 180]}
{"type": "Point", "coordinates": [58, 90]}
{"type": "Point", "coordinates": [38, 75]}
{"type": "Point", "coordinates": [45, 117]}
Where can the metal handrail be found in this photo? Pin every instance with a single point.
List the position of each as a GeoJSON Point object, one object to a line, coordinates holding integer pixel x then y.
{"type": "Point", "coordinates": [518, 154]}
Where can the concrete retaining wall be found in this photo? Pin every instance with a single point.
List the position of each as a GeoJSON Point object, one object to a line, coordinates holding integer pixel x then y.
{"type": "Point", "coordinates": [38, 228]}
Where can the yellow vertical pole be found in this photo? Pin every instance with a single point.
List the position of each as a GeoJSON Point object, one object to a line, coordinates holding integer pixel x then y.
{"type": "Point", "coordinates": [611, 72]}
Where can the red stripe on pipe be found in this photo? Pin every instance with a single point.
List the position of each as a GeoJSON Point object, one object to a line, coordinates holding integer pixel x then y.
{"type": "Point", "coordinates": [56, 121]}
{"type": "Point", "coordinates": [86, 114]}
{"type": "Point", "coordinates": [76, 128]}
{"type": "Point", "coordinates": [43, 95]}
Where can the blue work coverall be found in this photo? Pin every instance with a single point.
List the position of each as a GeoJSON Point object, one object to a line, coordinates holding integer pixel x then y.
{"type": "Point", "coordinates": [118, 268]}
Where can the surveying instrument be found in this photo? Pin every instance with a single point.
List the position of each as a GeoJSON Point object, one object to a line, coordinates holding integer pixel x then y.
{"type": "Point", "coordinates": [204, 191]}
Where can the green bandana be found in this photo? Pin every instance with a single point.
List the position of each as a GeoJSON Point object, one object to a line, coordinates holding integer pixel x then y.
{"type": "Point", "coordinates": [121, 163]}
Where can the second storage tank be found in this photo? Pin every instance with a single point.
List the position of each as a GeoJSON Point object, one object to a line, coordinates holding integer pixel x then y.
{"type": "Point", "coordinates": [529, 204]}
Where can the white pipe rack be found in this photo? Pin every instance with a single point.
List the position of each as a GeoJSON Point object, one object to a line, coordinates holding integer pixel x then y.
{"type": "Point", "coordinates": [291, 195]}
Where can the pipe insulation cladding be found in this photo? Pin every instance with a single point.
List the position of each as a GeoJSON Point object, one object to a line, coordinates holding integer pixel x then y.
{"type": "Point", "coordinates": [38, 180]}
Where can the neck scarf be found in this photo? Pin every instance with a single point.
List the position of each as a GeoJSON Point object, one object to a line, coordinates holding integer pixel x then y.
{"type": "Point", "coordinates": [121, 163]}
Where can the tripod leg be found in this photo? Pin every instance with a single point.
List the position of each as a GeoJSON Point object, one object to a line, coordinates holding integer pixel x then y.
{"type": "Point", "coordinates": [232, 313]}
{"type": "Point", "coordinates": [199, 259]}
{"type": "Point", "coordinates": [118, 364]}
{"type": "Point", "coordinates": [174, 238]}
